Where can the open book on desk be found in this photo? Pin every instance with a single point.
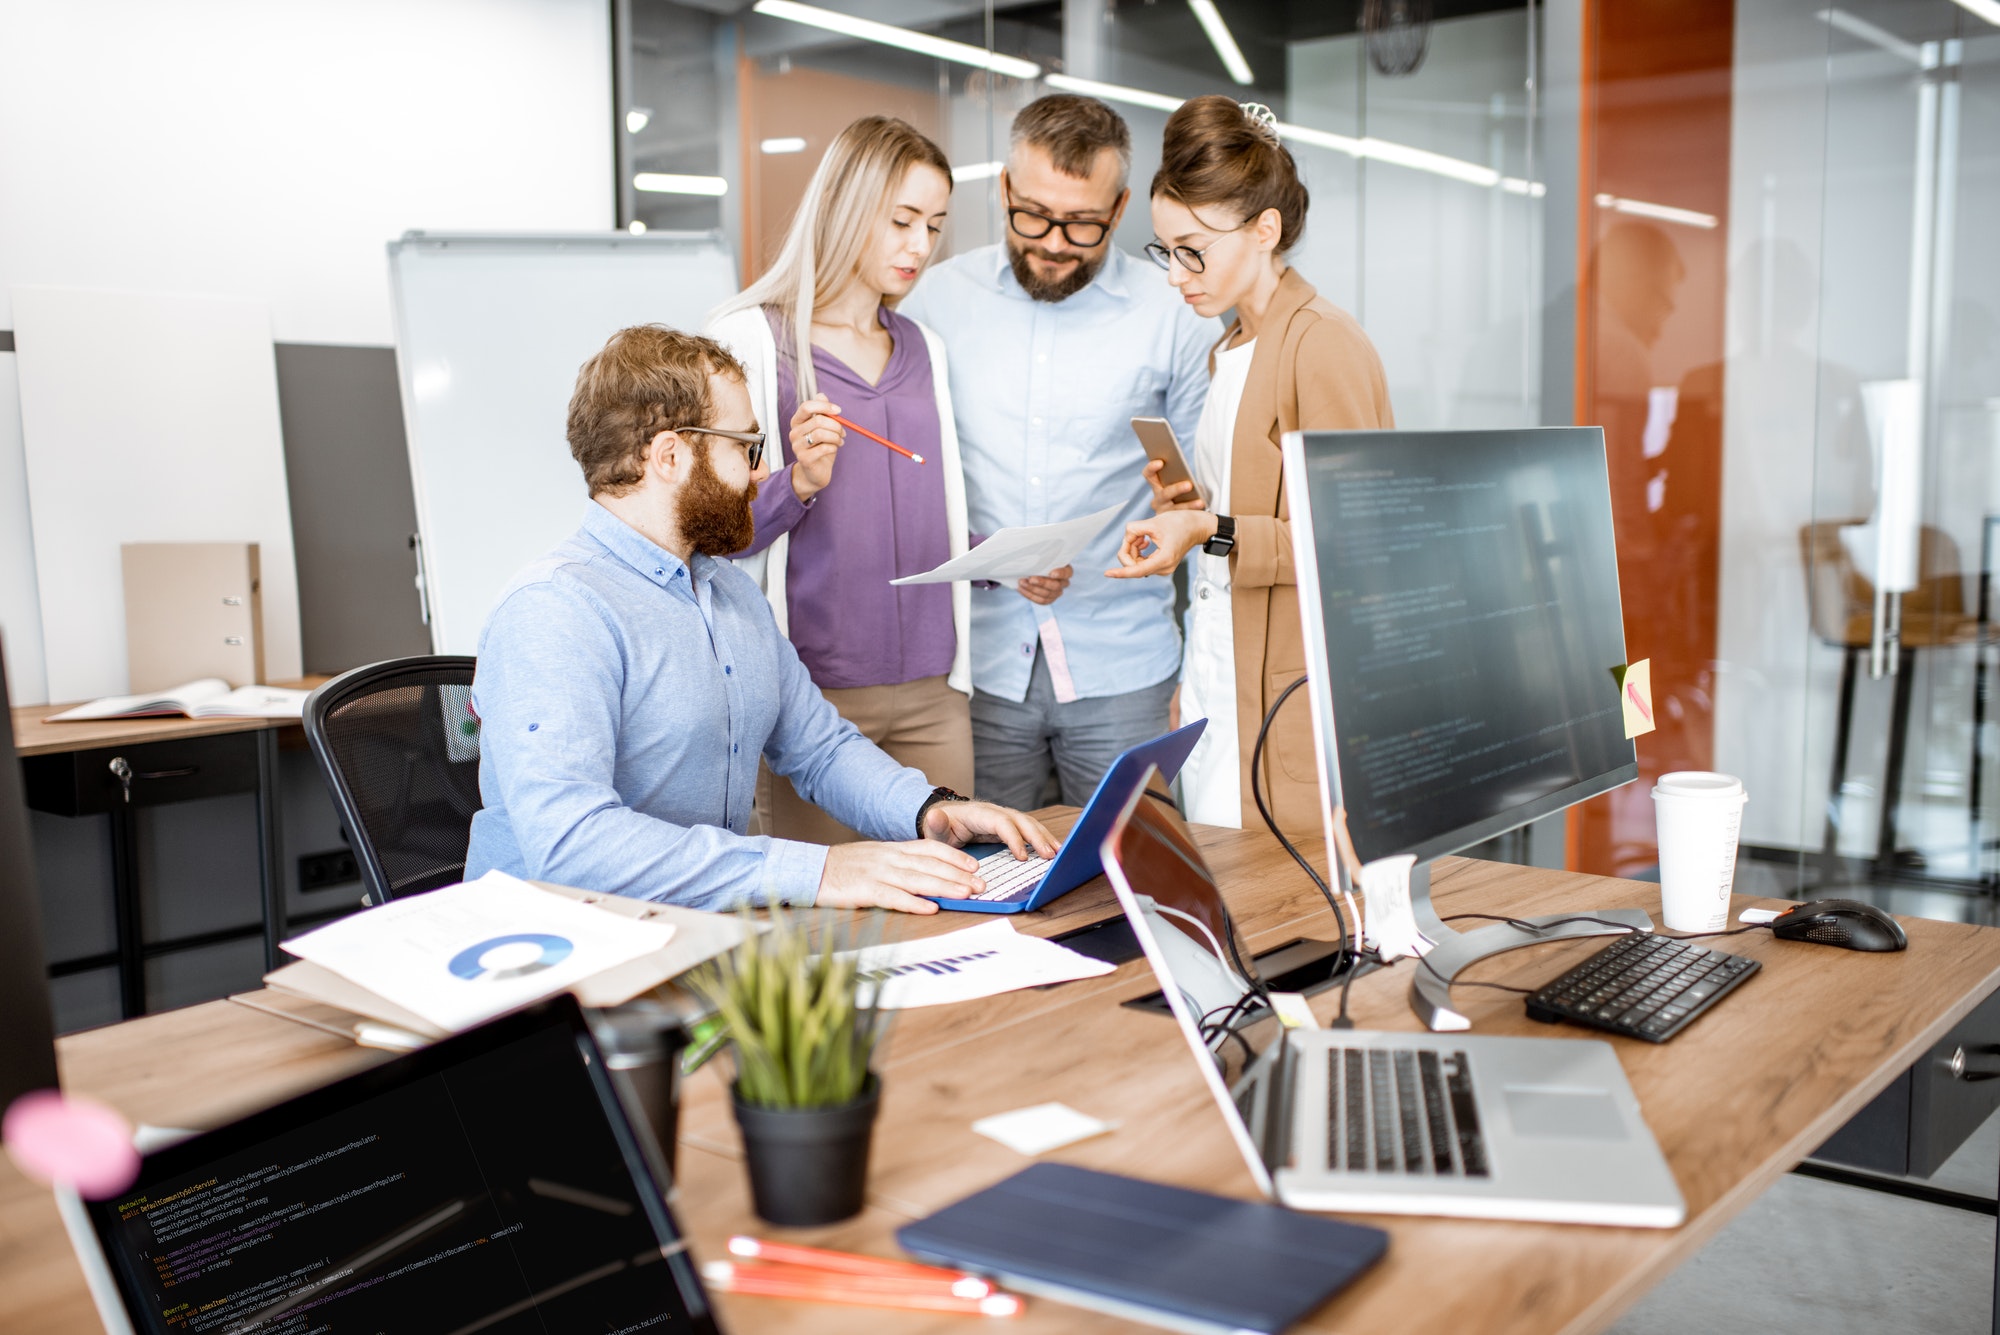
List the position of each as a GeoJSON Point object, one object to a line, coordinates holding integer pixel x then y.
{"type": "Point", "coordinates": [207, 698]}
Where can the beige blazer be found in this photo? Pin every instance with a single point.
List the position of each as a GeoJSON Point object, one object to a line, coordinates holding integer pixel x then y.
{"type": "Point", "coordinates": [1314, 370]}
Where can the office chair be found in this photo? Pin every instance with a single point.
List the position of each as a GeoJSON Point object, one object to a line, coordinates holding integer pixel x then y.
{"type": "Point", "coordinates": [398, 745]}
{"type": "Point", "coordinates": [1842, 603]}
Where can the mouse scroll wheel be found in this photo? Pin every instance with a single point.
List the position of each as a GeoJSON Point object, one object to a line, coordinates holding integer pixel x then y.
{"type": "Point", "coordinates": [1832, 933]}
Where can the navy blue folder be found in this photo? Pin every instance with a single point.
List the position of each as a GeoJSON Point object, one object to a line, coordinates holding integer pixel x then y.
{"type": "Point", "coordinates": [1181, 1259]}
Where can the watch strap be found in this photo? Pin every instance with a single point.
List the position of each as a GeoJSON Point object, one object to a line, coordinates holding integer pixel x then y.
{"type": "Point", "coordinates": [937, 795]}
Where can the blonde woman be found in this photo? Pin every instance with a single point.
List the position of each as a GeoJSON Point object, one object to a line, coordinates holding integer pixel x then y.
{"type": "Point", "coordinates": [819, 336]}
{"type": "Point", "coordinates": [1227, 207]}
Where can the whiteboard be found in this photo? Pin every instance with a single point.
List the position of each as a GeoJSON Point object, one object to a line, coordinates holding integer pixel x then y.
{"type": "Point", "coordinates": [490, 331]}
{"type": "Point", "coordinates": [147, 417]}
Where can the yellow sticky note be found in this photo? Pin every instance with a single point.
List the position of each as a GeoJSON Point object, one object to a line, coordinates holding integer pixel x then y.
{"type": "Point", "coordinates": [1635, 693]}
{"type": "Point", "coordinates": [1292, 1011]}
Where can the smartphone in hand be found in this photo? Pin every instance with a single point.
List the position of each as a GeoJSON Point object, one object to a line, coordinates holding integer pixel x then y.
{"type": "Point", "coordinates": [1156, 437]}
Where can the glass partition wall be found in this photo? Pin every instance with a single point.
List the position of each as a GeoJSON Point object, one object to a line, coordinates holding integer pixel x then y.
{"type": "Point", "coordinates": [1754, 242]}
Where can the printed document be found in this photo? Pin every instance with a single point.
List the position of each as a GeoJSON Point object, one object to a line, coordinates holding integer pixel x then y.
{"type": "Point", "coordinates": [1016, 553]}
{"type": "Point", "coordinates": [461, 955]}
{"type": "Point", "coordinates": [965, 965]}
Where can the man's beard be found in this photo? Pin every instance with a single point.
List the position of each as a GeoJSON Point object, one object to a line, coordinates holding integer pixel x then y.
{"type": "Point", "coordinates": [1046, 289]}
{"type": "Point", "coordinates": [714, 519]}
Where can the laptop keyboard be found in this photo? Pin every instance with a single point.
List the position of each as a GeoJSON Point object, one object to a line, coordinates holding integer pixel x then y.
{"type": "Point", "coordinates": [1007, 879]}
{"type": "Point", "coordinates": [1403, 1111]}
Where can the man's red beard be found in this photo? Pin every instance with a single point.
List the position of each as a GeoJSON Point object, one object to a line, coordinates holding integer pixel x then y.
{"type": "Point", "coordinates": [714, 517]}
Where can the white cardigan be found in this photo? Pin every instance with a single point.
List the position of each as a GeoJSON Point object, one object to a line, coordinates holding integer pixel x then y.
{"type": "Point", "coordinates": [747, 334]}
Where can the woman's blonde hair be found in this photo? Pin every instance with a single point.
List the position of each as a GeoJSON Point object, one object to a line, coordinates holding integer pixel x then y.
{"type": "Point", "coordinates": [852, 192]}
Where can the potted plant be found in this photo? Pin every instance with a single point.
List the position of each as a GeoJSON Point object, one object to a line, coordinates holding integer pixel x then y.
{"type": "Point", "coordinates": [802, 1024]}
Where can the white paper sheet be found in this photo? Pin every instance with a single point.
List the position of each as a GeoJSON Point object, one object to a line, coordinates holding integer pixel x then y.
{"type": "Point", "coordinates": [1044, 1127]}
{"type": "Point", "coordinates": [1016, 553]}
{"type": "Point", "coordinates": [466, 953]}
{"type": "Point", "coordinates": [976, 962]}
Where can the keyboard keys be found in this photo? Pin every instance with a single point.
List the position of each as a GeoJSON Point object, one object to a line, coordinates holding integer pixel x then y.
{"type": "Point", "coordinates": [1643, 986]}
{"type": "Point", "coordinates": [1402, 1112]}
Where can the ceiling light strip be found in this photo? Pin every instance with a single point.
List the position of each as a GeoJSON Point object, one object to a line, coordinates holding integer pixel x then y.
{"type": "Point", "coordinates": [1222, 40]}
{"type": "Point", "coordinates": [868, 30]}
{"type": "Point", "coordinates": [1639, 208]}
{"type": "Point", "coordinates": [668, 183]}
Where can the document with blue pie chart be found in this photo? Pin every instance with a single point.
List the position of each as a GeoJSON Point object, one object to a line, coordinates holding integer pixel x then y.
{"type": "Point", "coordinates": [459, 956]}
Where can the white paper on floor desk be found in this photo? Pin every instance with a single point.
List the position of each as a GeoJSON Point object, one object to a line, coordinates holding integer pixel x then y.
{"type": "Point", "coordinates": [466, 953]}
{"type": "Point", "coordinates": [1017, 553]}
{"type": "Point", "coordinates": [965, 965]}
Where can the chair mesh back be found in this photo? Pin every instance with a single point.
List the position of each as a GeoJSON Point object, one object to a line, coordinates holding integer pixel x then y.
{"type": "Point", "coordinates": [407, 753]}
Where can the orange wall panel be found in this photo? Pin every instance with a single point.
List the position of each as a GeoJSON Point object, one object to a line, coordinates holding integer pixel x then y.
{"type": "Point", "coordinates": [1655, 131]}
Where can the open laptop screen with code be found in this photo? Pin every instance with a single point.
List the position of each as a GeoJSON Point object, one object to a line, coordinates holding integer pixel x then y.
{"type": "Point", "coordinates": [488, 1184]}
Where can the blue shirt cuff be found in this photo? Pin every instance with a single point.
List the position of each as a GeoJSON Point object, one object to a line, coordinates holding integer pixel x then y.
{"type": "Point", "coordinates": [792, 872]}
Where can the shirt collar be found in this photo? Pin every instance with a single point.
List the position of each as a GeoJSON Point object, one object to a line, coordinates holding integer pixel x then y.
{"type": "Point", "coordinates": [1114, 278]}
{"type": "Point", "coordinates": [635, 549]}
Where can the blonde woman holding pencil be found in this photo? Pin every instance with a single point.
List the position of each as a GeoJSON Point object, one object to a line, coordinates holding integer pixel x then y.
{"type": "Point", "coordinates": [840, 516]}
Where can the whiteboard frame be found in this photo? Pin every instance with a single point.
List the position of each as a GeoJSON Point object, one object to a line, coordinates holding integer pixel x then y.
{"type": "Point", "coordinates": [430, 586]}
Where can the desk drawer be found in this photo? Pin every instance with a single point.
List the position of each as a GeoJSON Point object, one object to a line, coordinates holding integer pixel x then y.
{"type": "Point", "coordinates": [1917, 1123]}
{"type": "Point", "coordinates": [83, 783]}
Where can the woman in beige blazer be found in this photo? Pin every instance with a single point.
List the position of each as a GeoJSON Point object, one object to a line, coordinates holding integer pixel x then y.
{"type": "Point", "coordinates": [1227, 206]}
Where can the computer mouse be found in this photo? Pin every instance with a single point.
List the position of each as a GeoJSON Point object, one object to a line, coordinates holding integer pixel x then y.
{"type": "Point", "coordinates": [1847, 923]}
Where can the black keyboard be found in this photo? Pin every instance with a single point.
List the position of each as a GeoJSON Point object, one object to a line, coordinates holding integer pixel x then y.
{"type": "Point", "coordinates": [1642, 986]}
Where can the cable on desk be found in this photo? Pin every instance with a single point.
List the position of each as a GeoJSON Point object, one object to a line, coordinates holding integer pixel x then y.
{"type": "Point", "coordinates": [1346, 956]}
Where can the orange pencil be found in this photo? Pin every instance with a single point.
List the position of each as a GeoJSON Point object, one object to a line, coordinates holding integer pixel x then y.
{"type": "Point", "coordinates": [877, 439]}
{"type": "Point", "coordinates": [852, 1263]}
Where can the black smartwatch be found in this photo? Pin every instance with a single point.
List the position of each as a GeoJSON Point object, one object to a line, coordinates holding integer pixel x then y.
{"type": "Point", "coordinates": [1224, 541]}
{"type": "Point", "coordinates": [937, 795]}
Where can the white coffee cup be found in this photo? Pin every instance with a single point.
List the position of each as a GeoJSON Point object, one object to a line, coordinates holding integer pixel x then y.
{"type": "Point", "coordinates": [1699, 815]}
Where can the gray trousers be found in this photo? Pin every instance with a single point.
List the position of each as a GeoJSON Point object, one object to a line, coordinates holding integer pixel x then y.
{"type": "Point", "coordinates": [1031, 752]}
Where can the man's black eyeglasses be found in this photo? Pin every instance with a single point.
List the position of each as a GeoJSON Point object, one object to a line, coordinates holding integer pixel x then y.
{"type": "Point", "coordinates": [1083, 233]}
{"type": "Point", "coordinates": [752, 441]}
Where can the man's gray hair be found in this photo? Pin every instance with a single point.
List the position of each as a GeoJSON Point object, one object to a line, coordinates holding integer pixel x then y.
{"type": "Point", "coordinates": [1073, 130]}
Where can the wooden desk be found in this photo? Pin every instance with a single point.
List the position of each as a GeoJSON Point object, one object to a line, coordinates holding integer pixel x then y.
{"type": "Point", "coordinates": [65, 766]}
{"type": "Point", "coordinates": [1735, 1102]}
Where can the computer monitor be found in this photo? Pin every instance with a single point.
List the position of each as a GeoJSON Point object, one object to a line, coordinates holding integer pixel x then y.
{"type": "Point", "coordinates": [27, 1030]}
{"type": "Point", "coordinates": [1463, 632]}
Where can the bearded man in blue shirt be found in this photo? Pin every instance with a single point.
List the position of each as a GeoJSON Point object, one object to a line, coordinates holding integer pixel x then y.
{"type": "Point", "coordinates": [1058, 339]}
{"type": "Point", "coordinates": [629, 681]}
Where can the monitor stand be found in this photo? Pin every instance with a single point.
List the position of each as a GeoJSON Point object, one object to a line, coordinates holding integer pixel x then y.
{"type": "Point", "coordinates": [1430, 989]}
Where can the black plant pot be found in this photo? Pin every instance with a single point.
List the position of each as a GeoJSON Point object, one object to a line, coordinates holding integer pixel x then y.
{"type": "Point", "coordinates": [808, 1165]}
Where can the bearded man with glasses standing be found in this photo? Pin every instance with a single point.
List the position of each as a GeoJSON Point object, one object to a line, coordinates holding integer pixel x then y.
{"type": "Point", "coordinates": [1058, 339]}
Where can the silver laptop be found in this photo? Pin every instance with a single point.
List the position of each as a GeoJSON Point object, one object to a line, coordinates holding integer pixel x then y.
{"type": "Point", "coordinates": [1543, 1129]}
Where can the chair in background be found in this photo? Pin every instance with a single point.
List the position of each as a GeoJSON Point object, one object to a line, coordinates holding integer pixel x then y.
{"type": "Point", "coordinates": [398, 744]}
{"type": "Point", "coordinates": [1842, 602]}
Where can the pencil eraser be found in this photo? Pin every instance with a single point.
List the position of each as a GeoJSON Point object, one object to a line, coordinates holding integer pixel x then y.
{"type": "Point", "coordinates": [1044, 1127]}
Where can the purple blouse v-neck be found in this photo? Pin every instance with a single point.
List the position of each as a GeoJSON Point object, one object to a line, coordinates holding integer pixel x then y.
{"type": "Point", "coordinates": [881, 517]}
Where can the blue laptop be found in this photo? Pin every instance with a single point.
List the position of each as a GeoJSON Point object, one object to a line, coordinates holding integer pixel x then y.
{"type": "Point", "coordinates": [1017, 887]}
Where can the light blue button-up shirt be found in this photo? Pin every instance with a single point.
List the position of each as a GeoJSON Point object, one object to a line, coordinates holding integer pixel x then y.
{"type": "Point", "coordinates": [624, 698]}
{"type": "Point", "coordinates": [1044, 394]}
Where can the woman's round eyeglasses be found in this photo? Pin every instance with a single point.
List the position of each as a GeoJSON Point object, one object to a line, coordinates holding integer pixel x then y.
{"type": "Point", "coordinates": [752, 441]}
{"type": "Point", "coordinates": [1190, 258]}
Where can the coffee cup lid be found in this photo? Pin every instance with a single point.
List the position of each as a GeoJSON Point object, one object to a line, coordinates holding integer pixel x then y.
{"type": "Point", "coordinates": [1697, 783]}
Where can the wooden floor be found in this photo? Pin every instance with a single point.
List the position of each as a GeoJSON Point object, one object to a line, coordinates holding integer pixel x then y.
{"type": "Point", "coordinates": [1734, 1102]}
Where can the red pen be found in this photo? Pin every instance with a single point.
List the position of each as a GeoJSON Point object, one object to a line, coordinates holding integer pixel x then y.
{"type": "Point", "coordinates": [877, 439]}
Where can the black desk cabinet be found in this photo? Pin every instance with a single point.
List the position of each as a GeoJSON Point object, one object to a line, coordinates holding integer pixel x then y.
{"type": "Point", "coordinates": [1918, 1122]}
{"type": "Point", "coordinates": [117, 781]}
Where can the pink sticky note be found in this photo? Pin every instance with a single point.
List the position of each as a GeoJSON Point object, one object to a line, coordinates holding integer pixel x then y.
{"type": "Point", "coordinates": [76, 1141]}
